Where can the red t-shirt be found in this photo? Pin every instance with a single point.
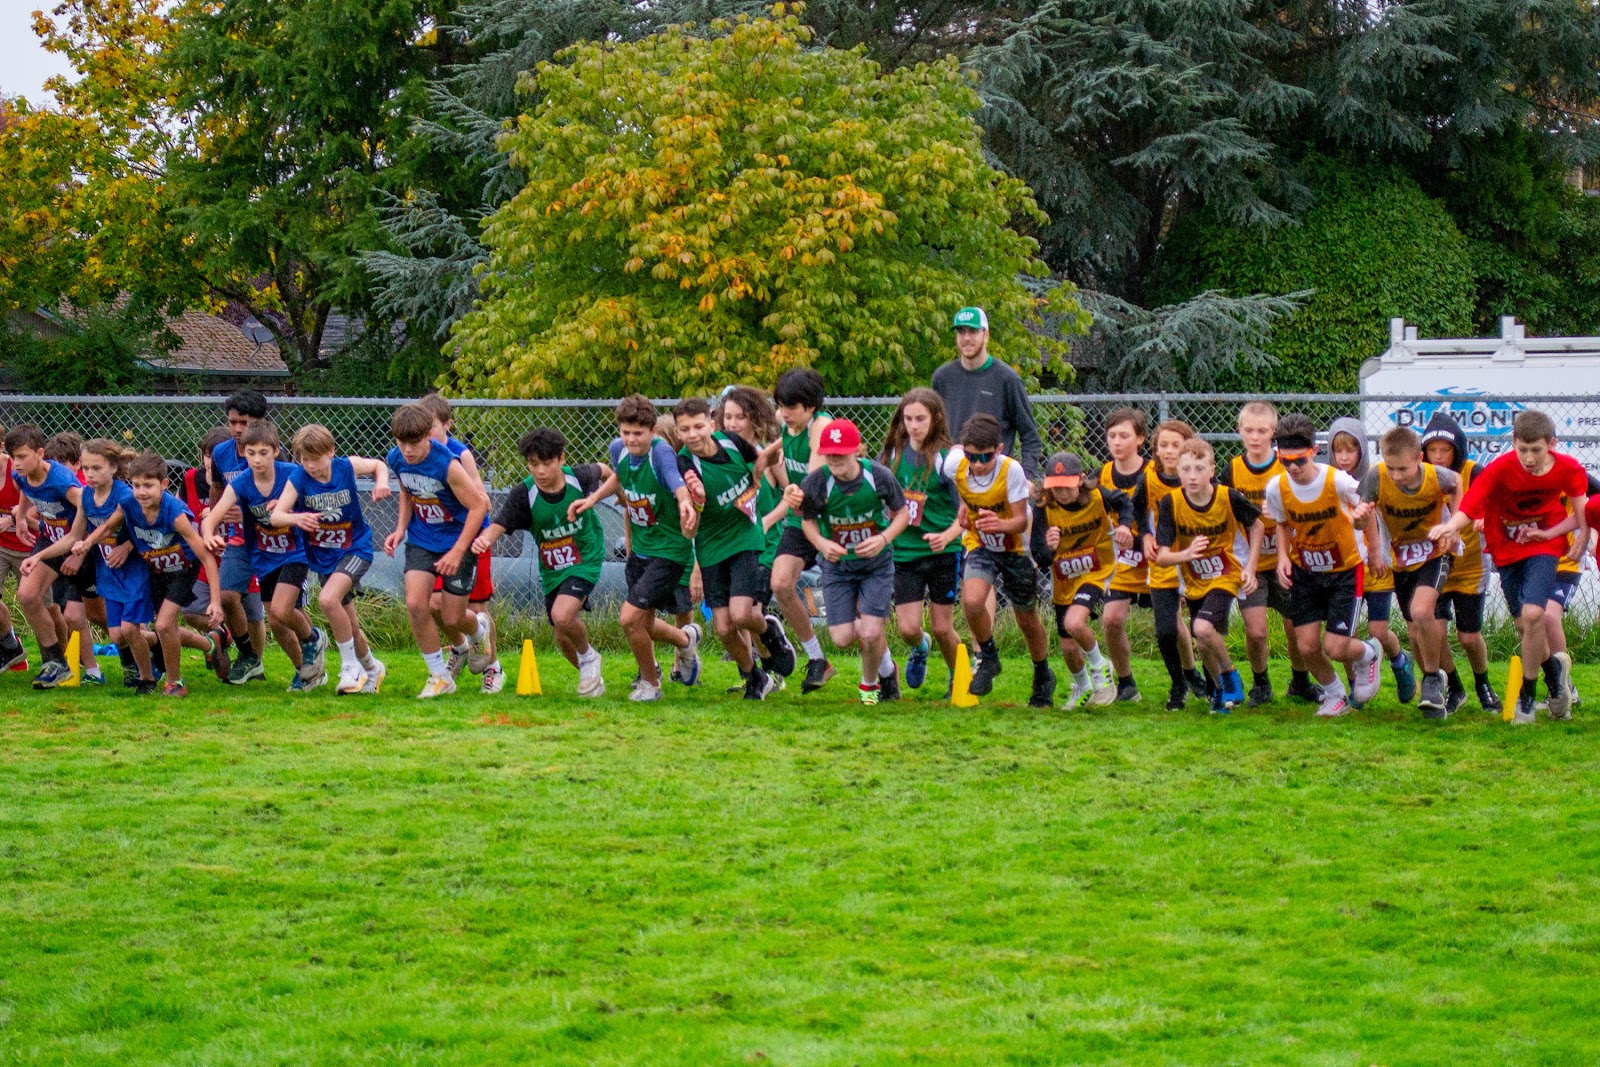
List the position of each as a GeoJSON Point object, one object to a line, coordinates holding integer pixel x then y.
{"type": "Point", "coordinates": [10, 496]}
{"type": "Point", "coordinates": [1505, 496]}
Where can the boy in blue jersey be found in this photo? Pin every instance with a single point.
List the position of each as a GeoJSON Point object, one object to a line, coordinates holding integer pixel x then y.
{"type": "Point", "coordinates": [120, 576]}
{"type": "Point", "coordinates": [323, 501]}
{"type": "Point", "coordinates": [277, 555]}
{"type": "Point", "coordinates": [243, 409]}
{"type": "Point", "coordinates": [52, 493]}
{"type": "Point", "coordinates": [442, 509]}
{"type": "Point", "coordinates": [479, 660]}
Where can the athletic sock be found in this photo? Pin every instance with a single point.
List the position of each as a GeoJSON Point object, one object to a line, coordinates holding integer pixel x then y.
{"type": "Point", "coordinates": [1080, 677]}
{"type": "Point", "coordinates": [1398, 658]}
{"type": "Point", "coordinates": [886, 665]}
{"type": "Point", "coordinates": [1335, 687]}
{"type": "Point", "coordinates": [125, 654]}
{"type": "Point", "coordinates": [435, 662]}
{"type": "Point", "coordinates": [1124, 679]}
{"type": "Point", "coordinates": [1552, 673]}
{"type": "Point", "coordinates": [1041, 667]}
{"type": "Point", "coordinates": [1094, 657]}
{"type": "Point", "coordinates": [51, 654]}
{"type": "Point", "coordinates": [1168, 644]}
{"type": "Point", "coordinates": [369, 662]}
{"type": "Point", "coordinates": [1301, 678]}
{"type": "Point", "coordinates": [813, 648]}
{"type": "Point", "coordinates": [588, 655]}
{"type": "Point", "coordinates": [1260, 677]}
{"type": "Point", "coordinates": [987, 648]}
{"type": "Point", "coordinates": [242, 643]}
{"type": "Point", "coordinates": [480, 633]}
{"type": "Point", "coordinates": [462, 647]}
{"type": "Point", "coordinates": [347, 650]}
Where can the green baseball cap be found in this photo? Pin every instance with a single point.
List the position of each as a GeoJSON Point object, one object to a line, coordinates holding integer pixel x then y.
{"type": "Point", "coordinates": [971, 319]}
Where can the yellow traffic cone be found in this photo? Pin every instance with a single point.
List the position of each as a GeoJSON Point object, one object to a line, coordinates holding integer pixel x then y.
{"type": "Point", "coordinates": [73, 665]}
{"type": "Point", "coordinates": [528, 673]}
{"type": "Point", "coordinates": [961, 693]}
{"type": "Point", "coordinates": [1513, 689]}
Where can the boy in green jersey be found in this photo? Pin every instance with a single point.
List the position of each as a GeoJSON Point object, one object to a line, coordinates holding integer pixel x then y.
{"type": "Point", "coordinates": [799, 395]}
{"type": "Point", "coordinates": [570, 552]}
{"type": "Point", "coordinates": [722, 471]}
{"type": "Point", "coordinates": [661, 519]}
{"type": "Point", "coordinates": [851, 513]}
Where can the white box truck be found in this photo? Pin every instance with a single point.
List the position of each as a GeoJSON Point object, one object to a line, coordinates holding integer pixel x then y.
{"type": "Point", "coordinates": [1483, 382]}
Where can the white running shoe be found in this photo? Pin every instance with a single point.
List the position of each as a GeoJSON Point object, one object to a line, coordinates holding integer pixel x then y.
{"type": "Point", "coordinates": [591, 682]}
{"type": "Point", "coordinates": [1104, 683]}
{"type": "Point", "coordinates": [1080, 694]}
{"type": "Point", "coordinates": [1365, 677]}
{"type": "Point", "coordinates": [480, 646]}
{"type": "Point", "coordinates": [374, 678]}
{"type": "Point", "coordinates": [686, 664]}
{"type": "Point", "coordinates": [351, 678]}
{"type": "Point", "coordinates": [456, 660]}
{"type": "Point", "coordinates": [494, 679]}
{"type": "Point", "coordinates": [1561, 698]}
{"type": "Point", "coordinates": [438, 685]}
{"type": "Point", "coordinates": [644, 692]}
{"type": "Point", "coordinates": [1333, 704]}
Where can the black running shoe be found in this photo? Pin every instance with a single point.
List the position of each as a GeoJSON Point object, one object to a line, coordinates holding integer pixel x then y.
{"type": "Point", "coordinates": [1488, 699]}
{"type": "Point", "coordinates": [983, 677]}
{"type": "Point", "coordinates": [1260, 695]}
{"type": "Point", "coordinates": [1197, 680]}
{"type": "Point", "coordinates": [1044, 690]}
{"type": "Point", "coordinates": [818, 671]}
{"type": "Point", "coordinates": [1178, 698]}
{"type": "Point", "coordinates": [1304, 689]}
{"type": "Point", "coordinates": [755, 684]}
{"type": "Point", "coordinates": [1128, 693]}
{"type": "Point", "coordinates": [779, 650]}
{"type": "Point", "coordinates": [889, 686]}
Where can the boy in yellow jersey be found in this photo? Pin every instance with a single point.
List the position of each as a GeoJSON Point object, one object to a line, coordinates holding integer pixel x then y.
{"type": "Point", "coordinates": [1249, 473]}
{"type": "Point", "coordinates": [994, 494]}
{"type": "Point", "coordinates": [1142, 479]}
{"type": "Point", "coordinates": [1074, 527]}
{"type": "Point", "coordinates": [1411, 498]}
{"type": "Point", "coordinates": [1461, 599]}
{"type": "Point", "coordinates": [1316, 508]}
{"type": "Point", "coordinates": [1214, 540]}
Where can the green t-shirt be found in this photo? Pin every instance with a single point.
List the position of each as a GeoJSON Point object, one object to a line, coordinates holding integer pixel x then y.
{"type": "Point", "coordinates": [566, 549]}
{"type": "Point", "coordinates": [848, 513]}
{"type": "Point", "coordinates": [729, 521]}
{"type": "Point", "coordinates": [797, 458]}
{"type": "Point", "coordinates": [652, 507]}
{"type": "Point", "coordinates": [930, 496]}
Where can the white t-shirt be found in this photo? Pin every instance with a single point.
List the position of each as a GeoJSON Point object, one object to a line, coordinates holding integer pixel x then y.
{"type": "Point", "coordinates": [1348, 488]}
{"type": "Point", "coordinates": [1017, 486]}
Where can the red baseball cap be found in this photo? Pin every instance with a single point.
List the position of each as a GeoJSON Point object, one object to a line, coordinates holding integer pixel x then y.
{"type": "Point", "coordinates": [839, 438]}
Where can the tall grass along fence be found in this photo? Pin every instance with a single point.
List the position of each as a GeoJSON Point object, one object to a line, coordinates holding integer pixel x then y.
{"type": "Point", "coordinates": [173, 426]}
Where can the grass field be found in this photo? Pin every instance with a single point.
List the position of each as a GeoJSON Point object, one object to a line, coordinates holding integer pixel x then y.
{"type": "Point", "coordinates": [249, 878]}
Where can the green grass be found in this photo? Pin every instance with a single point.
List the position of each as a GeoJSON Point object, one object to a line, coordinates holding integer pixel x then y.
{"type": "Point", "coordinates": [249, 878]}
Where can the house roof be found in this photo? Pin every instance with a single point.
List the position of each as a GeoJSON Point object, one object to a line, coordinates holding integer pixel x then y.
{"type": "Point", "coordinates": [212, 345]}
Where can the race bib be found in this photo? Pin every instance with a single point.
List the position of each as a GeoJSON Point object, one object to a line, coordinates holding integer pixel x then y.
{"type": "Point", "coordinates": [914, 502]}
{"type": "Point", "coordinates": [337, 537]}
{"type": "Point", "coordinates": [994, 542]}
{"type": "Point", "coordinates": [274, 541]}
{"type": "Point", "coordinates": [52, 530]}
{"type": "Point", "coordinates": [1516, 530]}
{"type": "Point", "coordinates": [559, 555]}
{"type": "Point", "coordinates": [1076, 566]}
{"type": "Point", "coordinates": [167, 560]}
{"type": "Point", "coordinates": [431, 512]}
{"type": "Point", "coordinates": [641, 512]}
{"type": "Point", "coordinates": [852, 534]}
{"type": "Point", "coordinates": [1129, 558]}
{"type": "Point", "coordinates": [1269, 543]}
{"type": "Point", "coordinates": [1207, 568]}
{"type": "Point", "coordinates": [1320, 560]}
{"type": "Point", "coordinates": [747, 504]}
{"type": "Point", "coordinates": [1412, 554]}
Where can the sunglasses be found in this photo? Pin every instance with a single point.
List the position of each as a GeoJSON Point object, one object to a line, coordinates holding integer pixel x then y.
{"type": "Point", "coordinates": [1295, 461]}
{"type": "Point", "coordinates": [979, 457]}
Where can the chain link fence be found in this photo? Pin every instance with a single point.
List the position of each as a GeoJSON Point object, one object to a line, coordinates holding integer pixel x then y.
{"type": "Point", "coordinates": [174, 425]}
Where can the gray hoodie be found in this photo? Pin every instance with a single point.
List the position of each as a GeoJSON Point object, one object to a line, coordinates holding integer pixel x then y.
{"type": "Point", "coordinates": [1354, 428]}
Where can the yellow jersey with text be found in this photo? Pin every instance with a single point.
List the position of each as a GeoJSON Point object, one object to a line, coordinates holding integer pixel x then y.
{"type": "Point", "coordinates": [992, 498]}
{"type": "Point", "coordinates": [1085, 554]}
{"type": "Point", "coordinates": [1324, 540]}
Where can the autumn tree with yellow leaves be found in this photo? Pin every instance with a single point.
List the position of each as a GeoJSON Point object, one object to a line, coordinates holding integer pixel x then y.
{"type": "Point", "coordinates": [702, 210]}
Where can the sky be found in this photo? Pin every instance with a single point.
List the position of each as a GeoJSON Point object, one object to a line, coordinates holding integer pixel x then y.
{"type": "Point", "coordinates": [24, 64]}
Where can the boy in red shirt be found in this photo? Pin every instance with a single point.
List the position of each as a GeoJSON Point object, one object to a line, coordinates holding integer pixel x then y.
{"type": "Point", "coordinates": [1519, 501]}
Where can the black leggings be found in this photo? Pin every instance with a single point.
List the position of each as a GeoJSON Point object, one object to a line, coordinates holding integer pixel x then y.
{"type": "Point", "coordinates": [1164, 606]}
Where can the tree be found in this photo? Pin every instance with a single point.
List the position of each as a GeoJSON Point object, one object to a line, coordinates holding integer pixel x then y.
{"type": "Point", "coordinates": [1372, 246]}
{"type": "Point", "coordinates": [300, 114]}
{"type": "Point", "coordinates": [702, 211]}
